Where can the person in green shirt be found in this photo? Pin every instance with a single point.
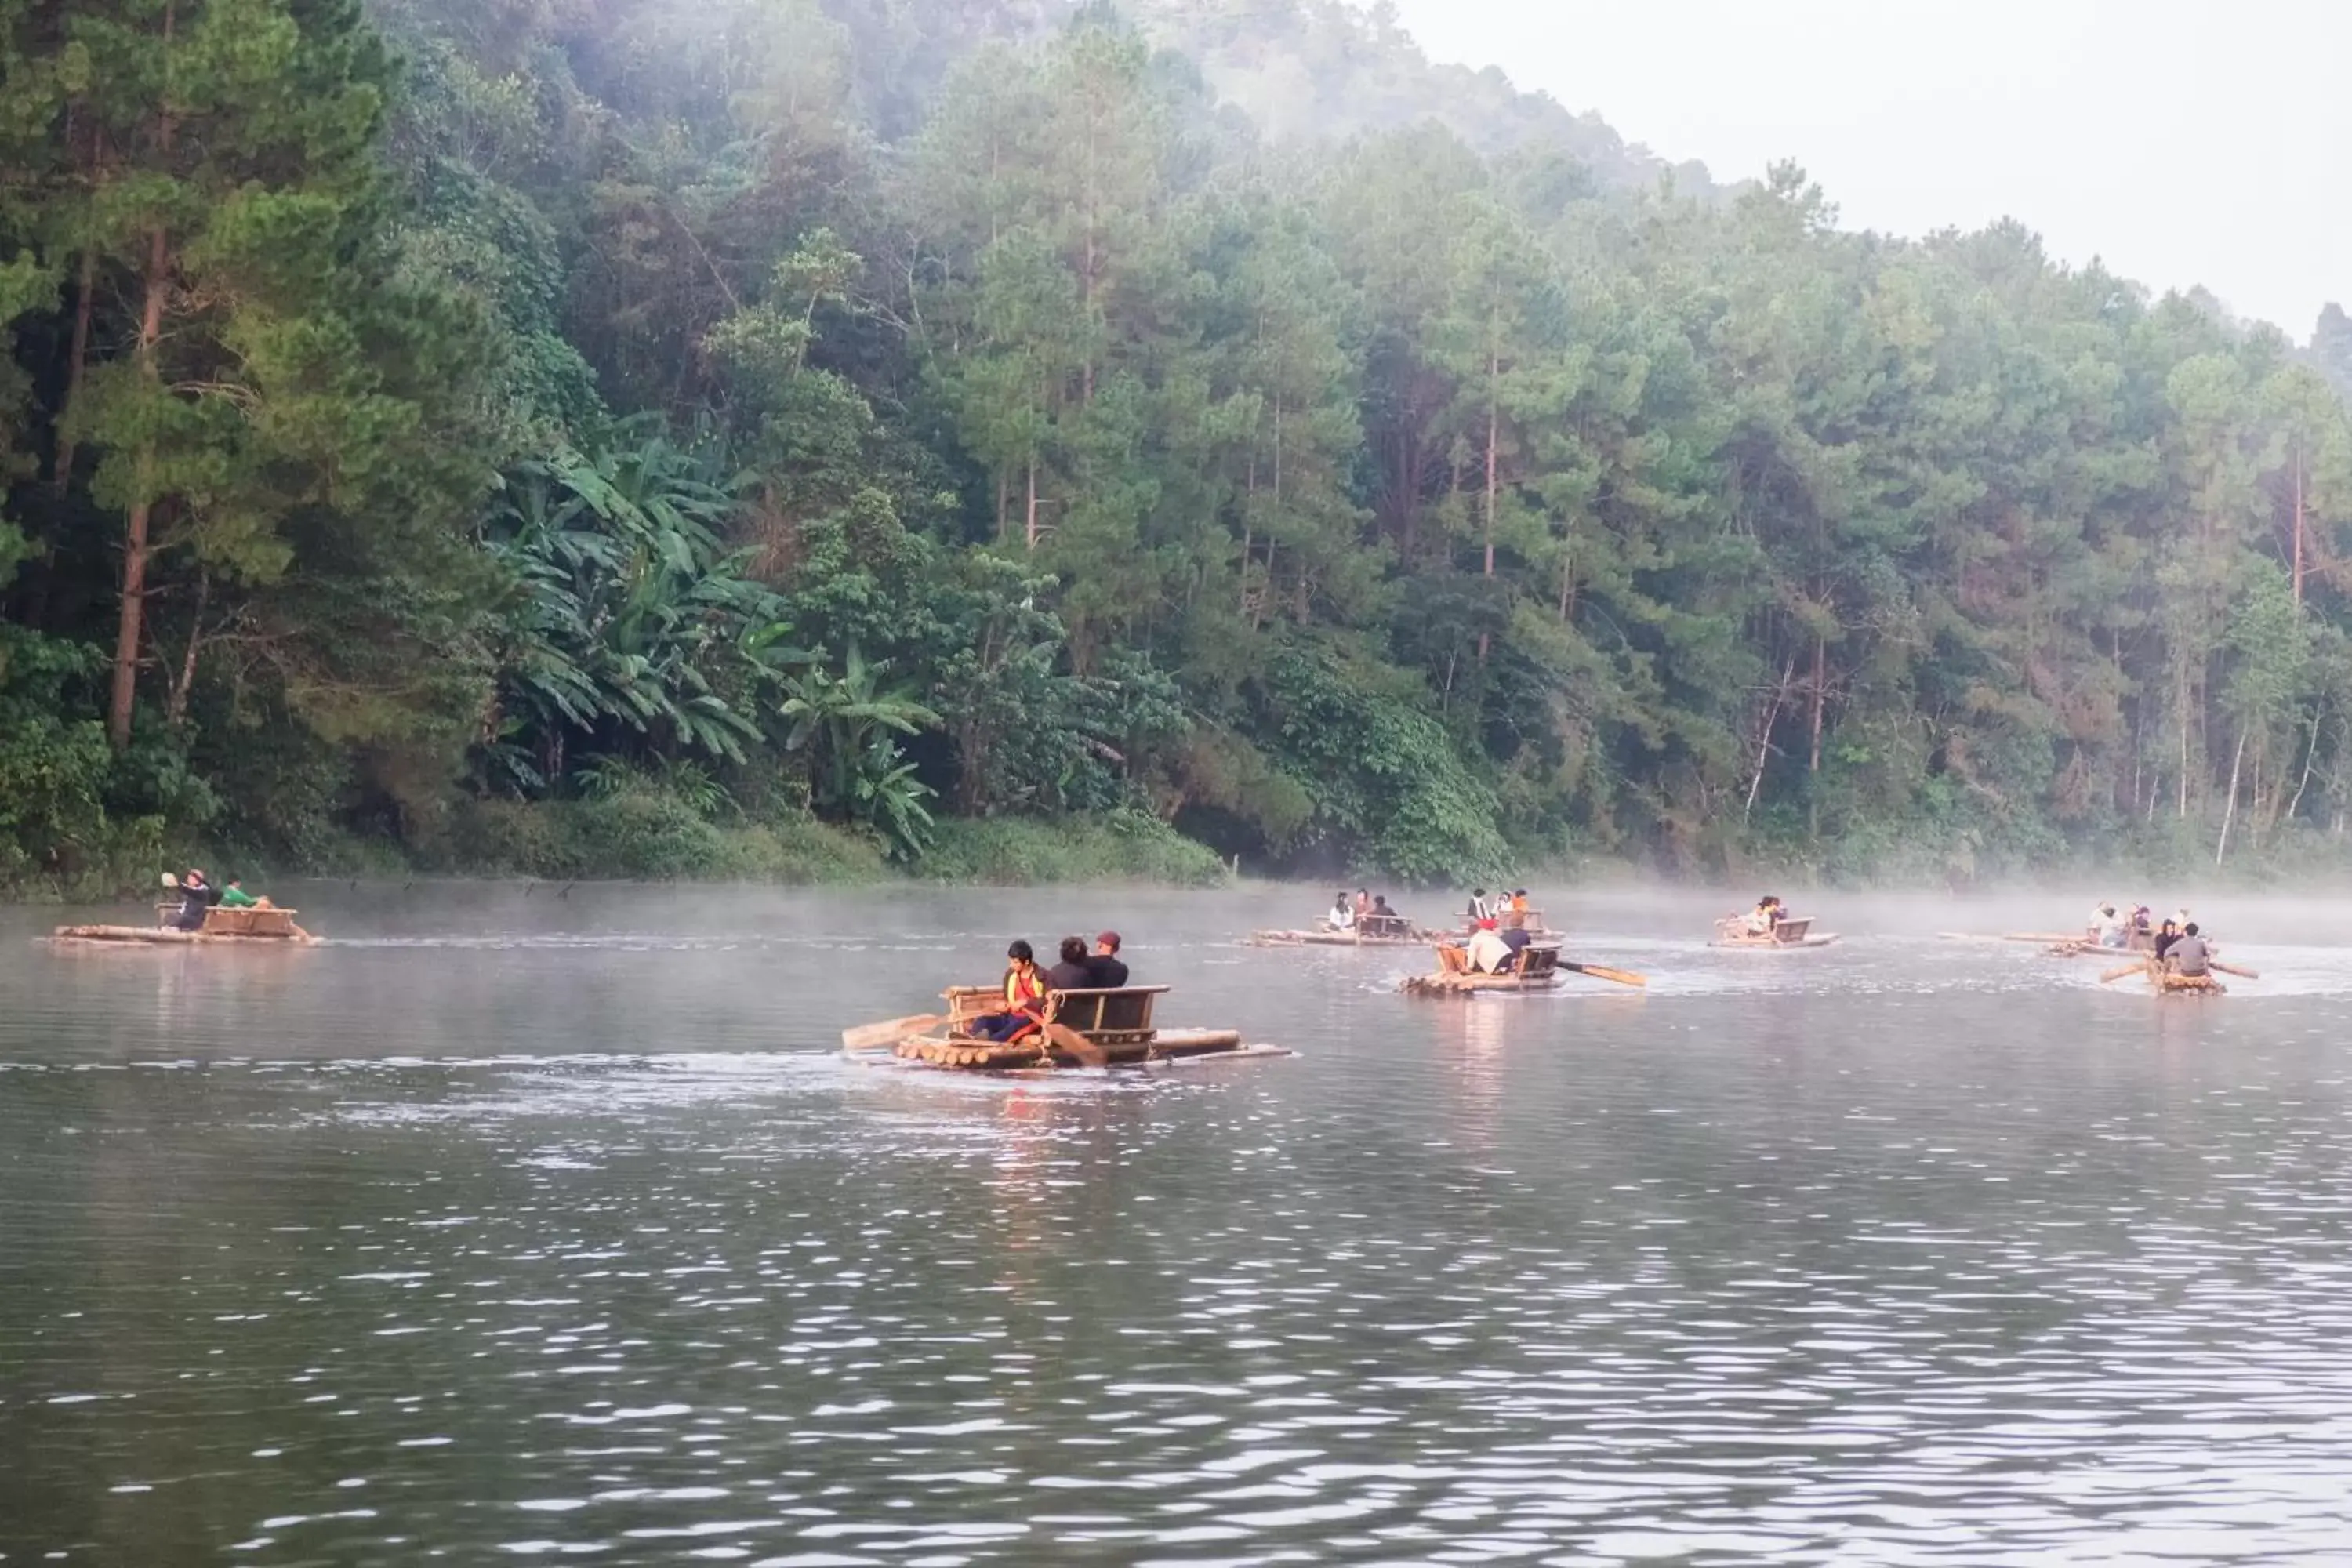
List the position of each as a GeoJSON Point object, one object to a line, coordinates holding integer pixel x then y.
{"type": "Point", "coordinates": [235, 897]}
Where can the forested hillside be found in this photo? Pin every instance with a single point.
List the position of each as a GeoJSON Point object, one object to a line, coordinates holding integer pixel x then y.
{"type": "Point", "coordinates": [514, 433]}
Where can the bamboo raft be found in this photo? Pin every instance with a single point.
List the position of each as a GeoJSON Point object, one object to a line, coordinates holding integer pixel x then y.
{"type": "Point", "coordinates": [260, 927]}
{"type": "Point", "coordinates": [1399, 933]}
{"type": "Point", "coordinates": [1539, 970]}
{"type": "Point", "coordinates": [2058, 945]}
{"type": "Point", "coordinates": [1116, 1025]}
{"type": "Point", "coordinates": [1788, 936]}
{"type": "Point", "coordinates": [2165, 983]}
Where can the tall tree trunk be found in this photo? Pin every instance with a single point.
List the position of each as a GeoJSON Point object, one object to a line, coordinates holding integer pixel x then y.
{"type": "Point", "coordinates": [1813, 767]}
{"type": "Point", "coordinates": [128, 623]}
{"type": "Point", "coordinates": [176, 713]}
{"type": "Point", "coordinates": [1821, 686]}
{"type": "Point", "coordinates": [1764, 738]}
{"type": "Point", "coordinates": [2182, 705]}
{"type": "Point", "coordinates": [1249, 533]}
{"type": "Point", "coordinates": [85, 291]}
{"type": "Point", "coordinates": [1029, 528]}
{"type": "Point", "coordinates": [1494, 437]}
{"type": "Point", "coordinates": [2310, 755]}
{"type": "Point", "coordinates": [2298, 525]}
{"type": "Point", "coordinates": [2229, 812]}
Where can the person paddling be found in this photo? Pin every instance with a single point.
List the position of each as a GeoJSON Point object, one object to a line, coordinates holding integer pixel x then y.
{"type": "Point", "coordinates": [2191, 956]}
{"type": "Point", "coordinates": [1027, 1007]}
{"type": "Point", "coordinates": [197, 897]}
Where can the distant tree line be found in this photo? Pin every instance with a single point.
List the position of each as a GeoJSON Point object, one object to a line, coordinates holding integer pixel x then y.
{"type": "Point", "coordinates": [891, 410]}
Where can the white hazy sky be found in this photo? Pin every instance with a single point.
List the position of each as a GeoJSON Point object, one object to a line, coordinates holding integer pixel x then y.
{"type": "Point", "coordinates": [2183, 142]}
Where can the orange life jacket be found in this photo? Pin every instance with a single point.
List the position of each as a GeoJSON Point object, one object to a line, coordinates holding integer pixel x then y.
{"type": "Point", "coordinates": [1025, 992]}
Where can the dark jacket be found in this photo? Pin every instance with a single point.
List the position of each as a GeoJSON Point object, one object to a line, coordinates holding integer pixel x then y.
{"type": "Point", "coordinates": [194, 904]}
{"type": "Point", "coordinates": [1110, 974]}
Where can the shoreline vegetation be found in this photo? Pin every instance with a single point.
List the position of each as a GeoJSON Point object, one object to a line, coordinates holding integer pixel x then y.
{"type": "Point", "coordinates": [841, 441]}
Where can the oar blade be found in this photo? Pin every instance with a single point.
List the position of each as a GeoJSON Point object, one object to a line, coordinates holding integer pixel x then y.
{"type": "Point", "coordinates": [1062, 1037]}
{"type": "Point", "coordinates": [882, 1036]}
{"type": "Point", "coordinates": [2241, 973]}
{"type": "Point", "coordinates": [2122, 970]}
{"type": "Point", "coordinates": [1602, 972]}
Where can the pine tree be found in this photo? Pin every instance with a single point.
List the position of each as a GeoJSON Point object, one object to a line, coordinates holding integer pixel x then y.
{"type": "Point", "coordinates": [271, 368]}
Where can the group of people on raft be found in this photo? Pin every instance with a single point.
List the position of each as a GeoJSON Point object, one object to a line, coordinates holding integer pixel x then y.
{"type": "Point", "coordinates": [1031, 993]}
{"type": "Point", "coordinates": [1499, 943]}
{"type": "Point", "coordinates": [1366, 913]}
{"type": "Point", "coordinates": [1370, 914]}
{"type": "Point", "coordinates": [198, 897]}
{"type": "Point", "coordinates": [2176, 942]}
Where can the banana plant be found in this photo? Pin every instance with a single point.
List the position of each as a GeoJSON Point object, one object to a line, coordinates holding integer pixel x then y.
{"type": "Point", "coordinates": [628, 621]}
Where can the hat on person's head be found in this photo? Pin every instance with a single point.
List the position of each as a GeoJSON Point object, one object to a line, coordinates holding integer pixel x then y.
{"type": "Point", "coordinates": [1109, 939]}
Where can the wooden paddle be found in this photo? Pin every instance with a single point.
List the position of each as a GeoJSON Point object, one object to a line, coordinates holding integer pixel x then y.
{"type": "Point", "coordinates": [1063, 1037]}
{"type": "Point", "coordinates": [882, 1035]}
{"type": "Point", "coordinates": [2142, 967]}
{"type": "Point", "coordinates": [1598, 972]}
{"type": "Point", "coordinates": [2231, 969]}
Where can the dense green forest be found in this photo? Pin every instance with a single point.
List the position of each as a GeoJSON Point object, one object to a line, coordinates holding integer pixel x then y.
{"type": "Point", "coordinates": [775, 436]}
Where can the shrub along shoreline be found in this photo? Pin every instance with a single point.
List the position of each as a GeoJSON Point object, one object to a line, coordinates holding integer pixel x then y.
{"type": "Point", "coordinates": [649, 836]}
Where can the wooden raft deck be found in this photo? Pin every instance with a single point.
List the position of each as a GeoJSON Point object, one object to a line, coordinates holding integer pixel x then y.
{"type": "Point", "coordinates": [1454, 977]}
{"type": "Point", "coordinates": [258, 927]}
{"type": "Point", "coordinates": [1792, 935]}
{"type": "Point", "coordinates": [1118, 1023]}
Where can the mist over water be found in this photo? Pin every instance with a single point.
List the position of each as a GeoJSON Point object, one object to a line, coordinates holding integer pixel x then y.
{"type": "Point", "coordinates": [548, 1228]}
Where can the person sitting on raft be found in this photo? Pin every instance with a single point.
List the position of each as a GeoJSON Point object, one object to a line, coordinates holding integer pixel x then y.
{"type": "Point", "coordinates": [2189, 955]}
{"type": "Point", "coordinates": [1488, 953]}
{"type": "Point", "coordinates": [1108, 971]}
{"type": "Point", "coordinates": [2166, 935]}
{"type": "Point", "coordinates": [233, 896]}
{"type": "Point", "coordinates": [196, 898]}
{"type": "Point", "coordinates": [1765, 915]}
{"type": "Point", "coordinates": [1027, 1005]}
{"type": "Point", "coordinates": [1343, 912]}
{"type": "Point", "coordinates": [1073, 973]}
{"type": "Point", "coordinates": [1383, 921]}
{"type": "Point", "coordinates": [2106, 927]}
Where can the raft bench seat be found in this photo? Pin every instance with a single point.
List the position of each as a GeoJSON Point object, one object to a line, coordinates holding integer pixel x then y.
{"type": "Point", "coordinates": [219, 921]}
{"type": "Point", "coordinates": [1105, 1017]}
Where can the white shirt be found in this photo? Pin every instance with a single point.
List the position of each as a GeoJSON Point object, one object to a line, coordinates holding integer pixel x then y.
{"type": "Point", "coordinates": [1488, 953]}
{"type": "Point", "coordinates": [1343, 917]}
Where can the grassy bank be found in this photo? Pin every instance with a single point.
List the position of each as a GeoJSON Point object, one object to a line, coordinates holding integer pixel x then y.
{"type": "Point", "coordinates": [643, 836]}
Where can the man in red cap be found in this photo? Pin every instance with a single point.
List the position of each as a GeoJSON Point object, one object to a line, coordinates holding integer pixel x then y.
{"type": "Point", "coordinates": [1110, 974]}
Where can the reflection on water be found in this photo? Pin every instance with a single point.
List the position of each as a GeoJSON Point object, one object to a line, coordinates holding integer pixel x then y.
{"type": "Point", "coordinates": [545, 1229]}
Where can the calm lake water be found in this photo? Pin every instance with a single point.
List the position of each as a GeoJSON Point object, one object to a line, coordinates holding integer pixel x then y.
{"type": "Point", "coordinates": [545, 1227]}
